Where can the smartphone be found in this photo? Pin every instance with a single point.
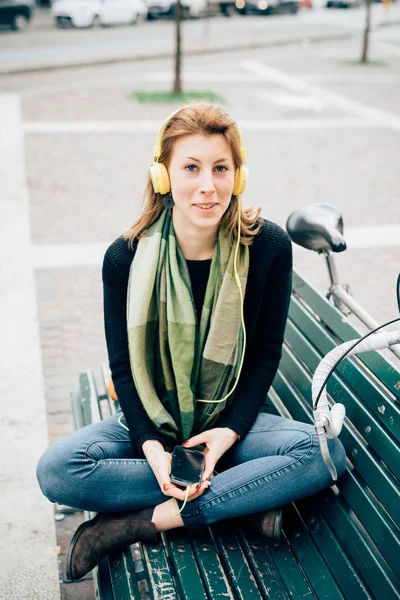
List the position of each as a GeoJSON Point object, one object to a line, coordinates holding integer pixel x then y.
{"type": "Point", "coordinates": [187, 466]}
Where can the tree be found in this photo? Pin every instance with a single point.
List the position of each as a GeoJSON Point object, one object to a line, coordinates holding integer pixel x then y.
{"type": "Point", "coordinates": [364, 56]}
{"type": "Point", "coordinates": [178, 14]}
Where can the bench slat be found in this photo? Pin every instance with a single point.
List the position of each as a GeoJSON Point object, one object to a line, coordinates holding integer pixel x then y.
{"type": "Point", "coordinates": [374, 473]}
{"type": "Point", "coordinates": [377, 436]}
{"type": "Point", "coordinates": [338, 323]}
{"type": "Point", "coordinates": [235, 562]}
{"type": "Point", "coordinates": [105, 378]}
{"type": "Point", "coordinates": [310, 558]}
{"type": "Point", "coordinates": [263, 567]}
{"type": "Point", "coordinates": [375, 520]}
{"type": "Point", "coordinates": [102, 581]}
{"type": "Point", "coordinates": [77, 411]}
{"type": "Point", "coordinates": [210, 565]}
{"type": "Point", "coordinates": [289, 570]}
{"type": "Point", "coordinates": [377, 399]}
{"type": "Point", "coordinates": [186, 571]}
{"type": "Point", "coordinates": [377, 575]}
{"type": "Point", "coordinates": [122, 573]}
{"type": "Point", "coordinates": [321, 533]}
{"type": "Point", "coordinates": [161, 583]}
{"type": "Point", "coordinates": [90, 397]}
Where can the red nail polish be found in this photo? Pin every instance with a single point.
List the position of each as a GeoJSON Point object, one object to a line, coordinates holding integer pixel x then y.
{"type": "Point", "coordinates": [185, 443]}
{"type": "Point", "coordinates": [197, 486]}
{"type": "Point", "coordinates": [165, 486]}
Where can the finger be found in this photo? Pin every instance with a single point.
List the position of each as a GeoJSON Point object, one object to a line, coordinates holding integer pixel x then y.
{"type": "Point", "coordinates": [166, 484]}
{"type": "Point", "coordinates": [201, 438]}
{"type": "Point", "coordinates": [203, 487]}
{"type": "Point", "coordinates": [175, 492]}
{"type": "Point", "coordinates": [210, 465]}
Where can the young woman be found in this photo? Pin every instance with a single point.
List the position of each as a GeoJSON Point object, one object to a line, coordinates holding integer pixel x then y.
{"type": "Point", "coordinates": [183, 367]}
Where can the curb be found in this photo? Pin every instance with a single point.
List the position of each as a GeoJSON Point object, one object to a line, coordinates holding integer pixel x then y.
{"type": "Point", "coordinates": [190, 52]}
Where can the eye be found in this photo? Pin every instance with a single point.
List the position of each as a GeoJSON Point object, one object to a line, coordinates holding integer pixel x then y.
{"type": "Point", "coordinates": [222, 167]}
{"type": "Point", "coordinates": [190, 168]}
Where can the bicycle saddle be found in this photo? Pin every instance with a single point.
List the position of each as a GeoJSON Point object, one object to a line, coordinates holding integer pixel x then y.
{"type": "Point", "coordinates": [317, 227]}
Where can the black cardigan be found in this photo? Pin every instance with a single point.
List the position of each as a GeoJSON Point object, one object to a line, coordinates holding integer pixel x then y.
{"type": "Point", "coordinates": [265, 312]}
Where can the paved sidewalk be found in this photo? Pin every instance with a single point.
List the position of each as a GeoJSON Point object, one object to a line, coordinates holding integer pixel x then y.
{"type": "Point", "coordinates": [27, 532]}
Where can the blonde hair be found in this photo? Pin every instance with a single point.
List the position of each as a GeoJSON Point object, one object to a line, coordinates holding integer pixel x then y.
{"type": "Point", "coordinates": [198, 119]}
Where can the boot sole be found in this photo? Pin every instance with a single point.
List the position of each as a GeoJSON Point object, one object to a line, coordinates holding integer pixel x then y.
{"type": "Point", "coordinates": [278, 525]}
{"type": "Point", "coordinates": [73, 542]}
{"type": "Point", "coordinates": [277, 531]}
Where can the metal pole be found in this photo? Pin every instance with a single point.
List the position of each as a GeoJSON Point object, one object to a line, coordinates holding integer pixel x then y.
{"type": "Point", "coordinates": [333, 276]}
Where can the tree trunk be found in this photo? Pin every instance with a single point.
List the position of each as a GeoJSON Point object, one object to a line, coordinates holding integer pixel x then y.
{"type": "Point", "coordinates": [364, 56]}
{"type": "Point", "coordinates": [177, 82]}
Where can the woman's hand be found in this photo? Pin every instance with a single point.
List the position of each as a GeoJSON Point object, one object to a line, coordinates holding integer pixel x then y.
{"type": "Point", "coordinates": [160, 463]}
{"type": "Point", "coordinates": [218, 441]}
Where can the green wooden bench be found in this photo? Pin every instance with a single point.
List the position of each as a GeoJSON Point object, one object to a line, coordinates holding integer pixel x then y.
{"type": "Point", "coordinates": [342, 543]}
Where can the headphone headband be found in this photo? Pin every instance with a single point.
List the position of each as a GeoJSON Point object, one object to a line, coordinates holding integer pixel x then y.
{"type": "Point", "coordinates": [158, 149]}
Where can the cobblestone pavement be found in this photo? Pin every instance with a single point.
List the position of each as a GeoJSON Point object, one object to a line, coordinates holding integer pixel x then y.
{"type": "Point", "coordinates": [85, 186]}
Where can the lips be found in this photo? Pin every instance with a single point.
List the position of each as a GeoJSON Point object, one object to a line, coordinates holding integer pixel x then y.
{"type": "Point", "coordinates": [206, 206]}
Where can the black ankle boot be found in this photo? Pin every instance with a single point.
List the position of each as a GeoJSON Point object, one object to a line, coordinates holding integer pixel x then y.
{"type": "Point", "coordinates": [106, 533]}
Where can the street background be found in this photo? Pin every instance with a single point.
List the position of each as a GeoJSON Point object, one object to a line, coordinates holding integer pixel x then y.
{"type": "Point", "coordinates": [317, 126]}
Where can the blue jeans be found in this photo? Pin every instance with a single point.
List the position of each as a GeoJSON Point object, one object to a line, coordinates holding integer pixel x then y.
{"type": "Point", "coordinates": [277, 462]}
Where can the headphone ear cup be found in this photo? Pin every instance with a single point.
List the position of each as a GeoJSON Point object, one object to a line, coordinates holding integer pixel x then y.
{"type": "Point", "coordinates": [159, 178]}
{"type": "Point", "coordinates": [240, 180]}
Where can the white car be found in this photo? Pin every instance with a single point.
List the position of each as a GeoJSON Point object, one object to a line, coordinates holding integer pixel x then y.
{"type": "Point", "coordinates": [166, 8]}
{"type": "Point", "coordinates": [87, 13]}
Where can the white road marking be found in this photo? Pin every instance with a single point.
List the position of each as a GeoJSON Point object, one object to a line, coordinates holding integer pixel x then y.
{"type": "Point", "coordinates": [377, 79]}
{"type": "Point", "coordinates": [45, 127]}
{"type": "Point", "coordinates": [162, 76]}
{"type": "Point", "coordinates": [296, 84]}
{"type": "Point", "coordinates": [373, 236]}
{"type": "Point", "coordinates": [389, 49]}
{"type": "Point", "coordinates": [368, 236]}
{"type": "Point", "coordinates": [55, 256]}
{"type": "Point", "coordinates": [291, 100]}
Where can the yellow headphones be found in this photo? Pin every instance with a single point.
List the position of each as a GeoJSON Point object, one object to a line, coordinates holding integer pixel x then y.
{"type": "Point", "coordinates": [159, 173]}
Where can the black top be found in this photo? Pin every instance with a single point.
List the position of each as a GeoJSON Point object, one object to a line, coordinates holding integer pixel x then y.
{"type": "Point", "coordinates": [265, 312]}
{"type": "Point", "coordinates": [199, 271]}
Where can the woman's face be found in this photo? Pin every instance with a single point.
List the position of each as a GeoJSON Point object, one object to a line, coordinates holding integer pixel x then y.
{"type": "Point", "coordinates": [202, 173]}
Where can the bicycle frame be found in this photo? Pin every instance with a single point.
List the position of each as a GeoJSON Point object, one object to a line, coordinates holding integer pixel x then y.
{"type": "Point", "coordinates": [341, 298]}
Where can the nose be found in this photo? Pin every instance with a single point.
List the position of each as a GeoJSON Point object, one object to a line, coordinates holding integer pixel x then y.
{"type": "Point", "coordinates": [207, 186]}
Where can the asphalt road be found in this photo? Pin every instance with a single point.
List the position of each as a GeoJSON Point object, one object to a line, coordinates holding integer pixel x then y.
{"type": "Point", "coordinates": [43, 45]}
{"type": "Point", "coordinates": [317, 128]}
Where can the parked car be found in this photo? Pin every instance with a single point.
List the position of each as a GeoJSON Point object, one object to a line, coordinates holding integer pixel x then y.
{"type": "Point", "coordinates": [88, 13]}
{"type": "Point", "coordinates": [166, 8]}
{"type": "Point", "coordinates": [343, 3]}
{"type": "Point", "coordinates": [15, 13]}
{"type": "Point", "coordinates": [267, 7]}
{"type": "Point", "coordinates": [226, 7]}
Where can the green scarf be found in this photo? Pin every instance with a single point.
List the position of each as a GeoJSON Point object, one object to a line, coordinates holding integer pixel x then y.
{"type": "Point", "coordinates": [173, 361]}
